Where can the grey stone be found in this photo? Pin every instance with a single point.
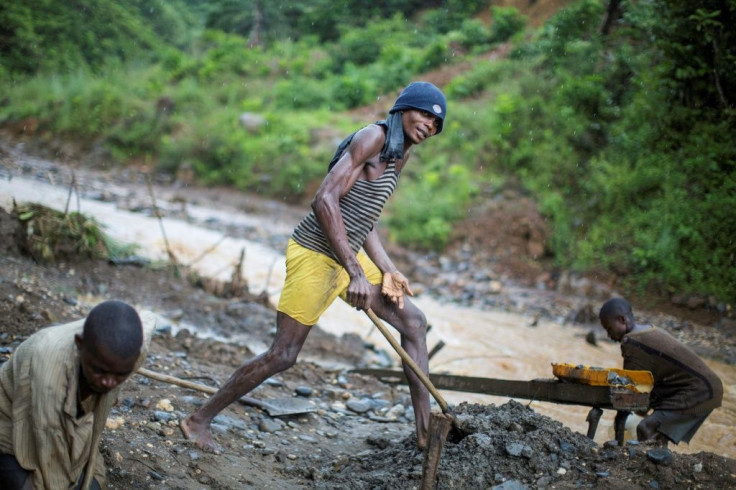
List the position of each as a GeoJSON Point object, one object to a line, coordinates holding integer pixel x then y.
{"type": "Point", "coordinates": [480, 439]}
{"type": "Point", "coordinates": [270, 425]}
{"type": "Point", "coordinates": [396, 411]}
{"type": "Point", "coordinates": [510, 485]}
{"type": "Point", "coordinates": [231, 422]}
{"type": "Point", "coordinates": [566, 447]}
{"type": "Point", "coordinates": [303, 391]}
{"type": "Point", "coordinates": [379, 403]}
{"type": "Point", "coordinates": [660, 456]}
{"type": "Point", "coordinates": [518, 449]}
{"type": "Point", "coordinates": [161, 416]}
{"type": "Point", "coordinates": [359, 406]}
{"type": "Point", "coordinates": [251, 121]}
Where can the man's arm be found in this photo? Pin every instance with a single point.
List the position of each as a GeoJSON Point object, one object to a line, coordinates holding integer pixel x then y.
{"type": "Point", "coordinates": [374, 248]}
{"type": "Point", "coordinates": [632, 357]}
{"type": "Point", "coordinates": [631, 362]}
{"type": "Point", "coordinates": [395, 284]}
{"type": "Point", "coordinates": [366, 143]}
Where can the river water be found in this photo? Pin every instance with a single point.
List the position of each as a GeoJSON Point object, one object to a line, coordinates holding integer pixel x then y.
{"type": "Point", "coordinates": [477, 342]}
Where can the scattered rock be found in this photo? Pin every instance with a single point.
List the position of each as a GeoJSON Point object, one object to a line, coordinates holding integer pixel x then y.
{"type": "Point", "coordinates": [165, 404]}
{"type": "Point", "coordinates": [359, 406]}
{"type": "Point", "coordinates": [660, 456]}
{"type": "Point", "coordinates": [270, 425]}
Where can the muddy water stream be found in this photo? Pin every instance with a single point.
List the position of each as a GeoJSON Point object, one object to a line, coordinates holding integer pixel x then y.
{"type": "Point", "coordinates": [477, 343]}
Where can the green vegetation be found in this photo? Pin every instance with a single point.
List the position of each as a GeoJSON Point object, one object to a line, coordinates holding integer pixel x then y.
{"type": "Point", "coordinates": [52, 235]}
{"type": "Point", "coordinates": [623, 135]}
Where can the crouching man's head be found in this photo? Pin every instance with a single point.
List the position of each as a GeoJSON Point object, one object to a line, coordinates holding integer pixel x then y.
{"type": "Point", "coordinates": [109, 347]}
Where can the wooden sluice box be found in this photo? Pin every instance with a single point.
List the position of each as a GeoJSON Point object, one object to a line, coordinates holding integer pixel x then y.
{"type": "Point", "coordinates": [622, 390]}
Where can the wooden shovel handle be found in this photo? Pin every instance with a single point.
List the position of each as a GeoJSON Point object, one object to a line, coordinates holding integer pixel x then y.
{"type": "Point", "coordinates": [255, 402]}
{"type": "Point", "coordinates": [176, 381]}
{"type": "Point", "coordinates": [407, 360]}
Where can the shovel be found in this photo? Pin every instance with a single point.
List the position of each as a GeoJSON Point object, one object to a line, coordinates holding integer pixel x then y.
{"type": "Point", "coordinates": [439, 425]}
{"type": "Point", "coordinates": [277, 407]}
{"type": "Point", "coordinates": [408, 360]}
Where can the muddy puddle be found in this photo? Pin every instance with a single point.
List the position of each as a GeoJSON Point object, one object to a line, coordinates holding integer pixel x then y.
{"type": "Point", "coordinates": [477, 343]}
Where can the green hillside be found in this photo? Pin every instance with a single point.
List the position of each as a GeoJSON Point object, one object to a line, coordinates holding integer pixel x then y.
{"type": "Point", "coordinates": [616, 117]}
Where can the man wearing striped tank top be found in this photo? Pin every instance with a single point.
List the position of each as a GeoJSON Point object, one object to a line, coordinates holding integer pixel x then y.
{"type": "Point", "coordinates": [335, 251]}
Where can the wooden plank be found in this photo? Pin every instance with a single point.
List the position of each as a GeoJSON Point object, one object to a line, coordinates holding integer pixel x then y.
{"type": "Point", "coordinates": [544, 390]}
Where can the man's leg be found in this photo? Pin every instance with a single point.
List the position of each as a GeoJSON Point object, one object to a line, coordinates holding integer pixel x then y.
{"type": "Point", "coordinates": [663, 426]}
{"type": "Point", "coordinates": [412, 325]}
{"type": "Point", "coordinates": [290, 337]}
{"type": "Point", "coordinates": [647, 431]}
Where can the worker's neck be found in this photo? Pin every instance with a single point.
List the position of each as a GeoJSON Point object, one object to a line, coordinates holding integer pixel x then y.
{"type": "Point", "coordinates": [85, 395]}
{"type": "Point", "coordinates": [639, 328]}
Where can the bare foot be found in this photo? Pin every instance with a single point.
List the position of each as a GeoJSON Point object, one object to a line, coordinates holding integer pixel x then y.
{"type": "Point", "coordinates": [200, 435]}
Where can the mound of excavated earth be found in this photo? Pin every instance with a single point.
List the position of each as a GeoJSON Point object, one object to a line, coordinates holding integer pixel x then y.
{"type": "Point", "coordinates": [512, 447]}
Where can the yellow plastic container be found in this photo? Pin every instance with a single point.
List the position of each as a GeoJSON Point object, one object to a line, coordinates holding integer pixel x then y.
{"type": "Point", "coordinates": [638, 381]}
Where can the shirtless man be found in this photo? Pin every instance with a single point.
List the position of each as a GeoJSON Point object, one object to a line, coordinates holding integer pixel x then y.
{"type": "Point", "coordinates": [324, 259]}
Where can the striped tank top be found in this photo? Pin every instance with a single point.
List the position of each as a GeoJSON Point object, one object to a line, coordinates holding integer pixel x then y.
{"type": "Point", "coordinates": [360, 209]}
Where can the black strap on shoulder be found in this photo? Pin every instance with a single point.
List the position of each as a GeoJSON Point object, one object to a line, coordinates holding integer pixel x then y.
{"type": "Point", "coordinates": [346, 142]}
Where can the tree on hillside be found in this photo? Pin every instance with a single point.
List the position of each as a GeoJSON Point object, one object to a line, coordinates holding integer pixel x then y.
{"type": "Point", "coordinates": [325, 19]}
{"type": "Point", "coordinates": [698, 44]}
{"type": "Point", "coordinates": [53, 36]}
{"type": "Point", "coordinates": [612, 15]}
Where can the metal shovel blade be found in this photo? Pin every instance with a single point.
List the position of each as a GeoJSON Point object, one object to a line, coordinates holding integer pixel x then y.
{"type": "Point", "coordinates": [279, 407]}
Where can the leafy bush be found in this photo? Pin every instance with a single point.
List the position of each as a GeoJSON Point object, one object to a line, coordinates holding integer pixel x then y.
{"type": "Point", "coordinates": [483, 75]}
{"type": "Point", "coordinates": [451, 14]}
{"type": "Point", "coordinates": [358, 47]}
{"type": "Point", "coordinates": [578, 21]}
{"type": "Point", "coordinates": [695, 47]}
{"type": "Point", "coordinates": [507, 21]}
{"type": "Point", "coordinates": [47, 36]}
{"type": "Point", "coordinates": [301, 93]}
{"type": "Point", "coordinates": [352, 89]}
{"type": "Point", "coordinates": [472, 33]}
{"type": "Point", "coordinates": [227, 55]}
{"type": "Point", "coordinates": [138, 135]}
{"type": "Point", "coordinates": [86, 106]}
{"type": "Point", "coordinates": [421, 214]}
{"type": "Point", "coordinates": [436, 53]}
{"type": "Point", "coordinates": [53, 235]}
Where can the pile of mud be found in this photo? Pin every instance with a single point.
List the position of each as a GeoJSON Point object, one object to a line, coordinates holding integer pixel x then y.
{"type": "Point", "coordinates": [511, 446]}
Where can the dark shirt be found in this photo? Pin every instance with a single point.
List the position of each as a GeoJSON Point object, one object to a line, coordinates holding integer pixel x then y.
{"type": "Point", "coordinates": [682, 381]}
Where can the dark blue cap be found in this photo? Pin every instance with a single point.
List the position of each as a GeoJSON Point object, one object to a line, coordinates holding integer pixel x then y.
{"type": "Point", "coordinates": [425, 97]}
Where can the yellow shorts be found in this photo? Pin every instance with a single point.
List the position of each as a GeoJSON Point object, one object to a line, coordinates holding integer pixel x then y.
{"type": "Point", "coordinates": [314, 281]}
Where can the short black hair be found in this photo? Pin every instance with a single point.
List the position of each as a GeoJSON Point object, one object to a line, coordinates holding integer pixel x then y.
{"type": "Point", "coordinates": [116, 326]}
{"type": "Point", "coordinates": [615, 307]}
